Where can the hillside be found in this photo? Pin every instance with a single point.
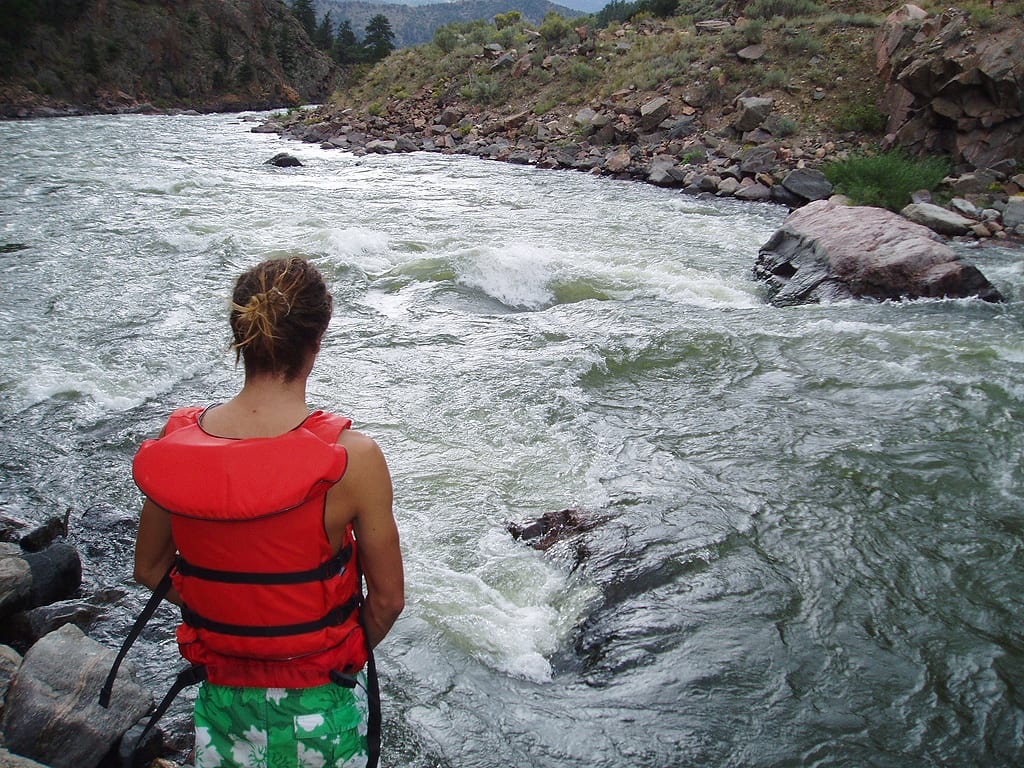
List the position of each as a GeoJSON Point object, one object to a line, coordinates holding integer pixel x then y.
{"type": "Point", "coordinates": [111, 55]}
{"type": "Point", "coordinates": [819, 70]}
{"type": "Point", "coordinates": [415, 24]}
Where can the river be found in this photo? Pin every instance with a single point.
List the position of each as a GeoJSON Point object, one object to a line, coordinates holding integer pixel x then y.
{"type": "Point", "coordinates": [804, 525]}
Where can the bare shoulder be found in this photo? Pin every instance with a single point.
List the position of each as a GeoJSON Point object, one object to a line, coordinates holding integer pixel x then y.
{"type": "Point", "coordinates": [363, 451]}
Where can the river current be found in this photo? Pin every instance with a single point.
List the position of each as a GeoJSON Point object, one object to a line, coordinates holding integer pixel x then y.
{"type": "Point", "coordinates": [803, 540]}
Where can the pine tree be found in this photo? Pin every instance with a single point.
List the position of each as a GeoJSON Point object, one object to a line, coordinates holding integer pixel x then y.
{"type": "Point", "coordinates": [303, 10]}
{"type": "Point", "coordinates": [346, 47]}
{"type": "Point", "coordinates": [379, 40]}
{"type": "Point", "coordinates": [324, 36]}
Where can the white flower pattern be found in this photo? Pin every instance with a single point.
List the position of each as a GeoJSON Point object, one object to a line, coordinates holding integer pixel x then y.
{"type": "Point", "coordinates": [207, 755]}
{"type": "Point", "coordinates": [310, 758]}
{"type": "Point", "coordinates": [276, 694]}
{"type": "Point", "coordinates": [252, 751]}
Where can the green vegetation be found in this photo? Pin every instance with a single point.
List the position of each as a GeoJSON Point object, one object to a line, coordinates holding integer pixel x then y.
{"type": "Point", "coordinates": [885, 180]}
{"type": "Point", "coordinates": [864, 117]}
{"type": "Point", "coordinates": [787, 9]}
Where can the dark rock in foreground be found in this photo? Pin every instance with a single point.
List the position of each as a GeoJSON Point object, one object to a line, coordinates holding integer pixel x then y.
{"type": "Point", "coordinates": [828, 252]}
{"type": "Point", "coordinates": [51, 712]}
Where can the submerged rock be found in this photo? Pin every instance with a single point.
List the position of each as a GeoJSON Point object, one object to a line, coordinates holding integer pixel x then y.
{"type": "Point", "coordinates": [550, 527]}
{"type": "Point", "coordinates": [828, 252]}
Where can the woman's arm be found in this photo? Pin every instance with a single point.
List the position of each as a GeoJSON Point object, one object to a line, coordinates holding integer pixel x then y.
{"type": "Point", "coordinates": [364, 497]}
{"type": "Point", "coordinates": [154, 548]}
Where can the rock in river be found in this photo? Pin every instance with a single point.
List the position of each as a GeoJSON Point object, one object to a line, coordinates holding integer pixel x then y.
{"type": "Point", "coordinates": [828, 252]}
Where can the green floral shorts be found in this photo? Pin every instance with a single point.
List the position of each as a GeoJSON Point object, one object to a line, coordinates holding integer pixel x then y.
{"type": "Point", "coordinates": [323, 727]}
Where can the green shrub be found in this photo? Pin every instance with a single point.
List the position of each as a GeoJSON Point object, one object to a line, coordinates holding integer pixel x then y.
{"type": "Point", "coordinates": [503, 20]}
{"type": "Point", "coordinates": [775, 78]}
{"type": "Point", "coordinates": [555, 27]}
{"type": "Point", "coordinates": [802, 42]}
{"type": "Point", "coordinates": [752, 30]}
{"type": "Point", "coordinates": [446, 38]}
{"type": "Point", "coordinates": [785, 126]}
{"type": "Point", "coordinates": [583, 73]}
{"type": "Point", "coordinates": [863, 118]}
{"type": "Point", "coordinates": [789, 9]}
{"type": "Point", "coordinates": [886, 180]}
{"type": "Point", "coordinates": [481, 90]}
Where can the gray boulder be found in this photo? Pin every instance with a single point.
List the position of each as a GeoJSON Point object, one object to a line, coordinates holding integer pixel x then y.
{"type": "Point", "coordinates": [52, 713]}
{"type": "Point", "coordinates": [652, 113]}
{"type": "Point", "coordinates": [751, 112]}
{"type": "Point", "coordinates": [938, 219]}
{"type": "Point", "coordinates": [808, 183]}
{"type": "Point", "coordinates": [31, 579]}
{"type": "Point", "coordinates": [827, 252]}
{"type": "Point", "coordinates": [760, 159]}
{"type": "Point", "coordinates": [1013, 213]}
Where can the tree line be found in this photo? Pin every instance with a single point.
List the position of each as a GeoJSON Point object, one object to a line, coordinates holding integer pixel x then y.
{"type": "Point", "coordinates": [340, 42]}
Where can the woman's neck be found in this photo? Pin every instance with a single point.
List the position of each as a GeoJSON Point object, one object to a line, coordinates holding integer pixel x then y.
{"type": "Point", "coordinates": [266, 406]}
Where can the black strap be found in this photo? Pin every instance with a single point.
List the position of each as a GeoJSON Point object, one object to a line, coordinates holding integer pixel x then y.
{"type": "Point", "coordinates": [333, 618]}
{"type": "Point", "coordinates": [373, 720]}
{"type": "Point", "coordinates": [188, 676]}
{"type": "Point", "coordinates": [159, 593]}
{"type": "Point", "coordinates": [325, 571]}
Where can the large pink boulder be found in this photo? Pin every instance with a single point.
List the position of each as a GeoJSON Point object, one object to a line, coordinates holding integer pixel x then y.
{"type": "Point", "coordinates": [828, 252]}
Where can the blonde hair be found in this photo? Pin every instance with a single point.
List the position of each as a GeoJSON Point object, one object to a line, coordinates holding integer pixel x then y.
{"type": "Point", "coordinates": [279, 311]}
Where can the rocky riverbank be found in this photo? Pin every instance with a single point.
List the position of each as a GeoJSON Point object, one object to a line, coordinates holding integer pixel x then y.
{"type": "Point", "coordinates": [680, 135]}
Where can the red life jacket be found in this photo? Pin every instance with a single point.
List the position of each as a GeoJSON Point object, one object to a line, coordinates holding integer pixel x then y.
{"type": "Point", "coordinates": [267, 602]}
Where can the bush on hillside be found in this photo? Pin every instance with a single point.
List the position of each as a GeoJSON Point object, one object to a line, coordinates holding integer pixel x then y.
{"type": "Point", "coordinates": [886, 180]}
{"type": "Point", "coordinates": [788, 9]}
{"type": "Point", "coordinates": [555, 27]}
{"type": "Point", "coordinates": [863, 117]}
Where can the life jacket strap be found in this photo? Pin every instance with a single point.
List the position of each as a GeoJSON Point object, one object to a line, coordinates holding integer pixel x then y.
{"type": "Point", "coordinates": [333, 618]}
{"type": "Point", "coordinates": [159, 593]}
{"type": "Point", "coordinates": [327, 570]}
{"type": "Point", "coordinates": [188, 676]}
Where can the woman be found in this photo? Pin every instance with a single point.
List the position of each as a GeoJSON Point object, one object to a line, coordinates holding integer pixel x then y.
{"type": "Point", "coordinates": [262, 507]}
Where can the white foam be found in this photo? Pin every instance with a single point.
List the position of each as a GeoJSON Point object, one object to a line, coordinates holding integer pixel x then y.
{"type": "Point", "coordinates": [517, 275]}
{"type": "Point", "coordinates": [368, 249]}
{"type": "Point", "coordinates": [510, 611]}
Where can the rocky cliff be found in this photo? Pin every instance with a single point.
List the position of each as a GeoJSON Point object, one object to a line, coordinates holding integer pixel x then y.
{"type": "Point", "coordinates": [952, 88]}
{"type": "Point", "coordinates": [116, 55]}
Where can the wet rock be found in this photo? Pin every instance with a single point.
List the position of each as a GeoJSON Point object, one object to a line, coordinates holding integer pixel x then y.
{"type": "Point", "coordinates": [10, 660]}
{"type": "Point", "coordinates": [550, 527]}
{"type": "Point", "coordinates": [665, 173]}
{"type": "Point", "coordinates": [52, 712]}
{"type": "Point", "coordinates": [284, 160]}
{"type": "Point", "coordinates": [15, 579]}
{"type": "Point", "coordinates": [826, 252]}
{"type": "Point", "coordinates": [56, 573]}
{"type": "Point", "coordinates": [27, 627]}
